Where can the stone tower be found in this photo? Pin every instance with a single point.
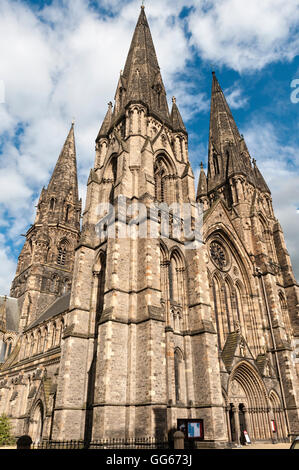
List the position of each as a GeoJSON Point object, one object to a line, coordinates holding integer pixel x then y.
{"type": "Point", "coordinates": [140, 315]}
{"type": "Point", "coordinates": [253, 291]}
{"type": "Point", "coordinates": [45, 264]}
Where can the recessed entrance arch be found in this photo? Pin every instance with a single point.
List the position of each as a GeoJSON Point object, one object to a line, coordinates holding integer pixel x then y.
{"type": "Point", "coordinates": [249, 406]}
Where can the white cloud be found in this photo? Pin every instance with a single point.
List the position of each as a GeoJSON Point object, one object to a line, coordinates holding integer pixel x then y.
{"type": "Point", "coordinates": [7, 267]}
{"type": "Point", "coordinates": [245, 36]}
{"type": "Point", "coordinates": [234, 97]}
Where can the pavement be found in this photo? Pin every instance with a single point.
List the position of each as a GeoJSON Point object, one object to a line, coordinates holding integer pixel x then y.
{"type": "Point", "coordinates": [261, 445]}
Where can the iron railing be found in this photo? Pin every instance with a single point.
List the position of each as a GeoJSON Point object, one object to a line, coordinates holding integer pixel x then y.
{"type": "Point", "coordinates": [131, 443]}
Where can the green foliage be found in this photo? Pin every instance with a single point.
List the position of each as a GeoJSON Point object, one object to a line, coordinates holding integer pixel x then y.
{"type": "Point", "coordinates": [6, 438]}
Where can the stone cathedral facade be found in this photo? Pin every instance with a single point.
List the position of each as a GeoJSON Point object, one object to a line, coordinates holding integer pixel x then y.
{"type": "Point", "coordinates": [121, 336]}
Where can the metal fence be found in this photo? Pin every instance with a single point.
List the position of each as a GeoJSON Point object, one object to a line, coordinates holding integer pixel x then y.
{"type": "Point", "coordinates": [132, 443]}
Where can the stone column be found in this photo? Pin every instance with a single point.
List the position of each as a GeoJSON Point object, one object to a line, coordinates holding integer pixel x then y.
{"type": "Point", "coordinates": [255, 424]}
{"type": "Point", "coordinates": [266, 420]}
{"type": "Point", "coordinates": [246, 419]}
{"type": "Point", "coordinates": [229, 434]}
{"type": "Point", "coordinates": [237, 424]}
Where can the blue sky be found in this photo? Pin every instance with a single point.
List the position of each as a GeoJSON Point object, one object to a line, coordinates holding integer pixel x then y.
{"type": "Point", "coordinates": [61, 60]}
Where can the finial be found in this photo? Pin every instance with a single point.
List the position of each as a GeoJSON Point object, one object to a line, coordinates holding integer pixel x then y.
{"type": "Point", "coordinates": [73, 121]}
{"type": "Point", "coordinates": [213, 73]}
{"type": "Point", "coordinates": [142, 5]}
{"type": "Point", "coordinates": [201, 165]}
{"type": "Point", "coordinates": [174, 99]}
{"type": "Point", "coordinates": [121, 72]}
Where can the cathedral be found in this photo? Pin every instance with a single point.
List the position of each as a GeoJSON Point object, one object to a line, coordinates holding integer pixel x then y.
{"type": "Point", "coordinates": [106, 335]}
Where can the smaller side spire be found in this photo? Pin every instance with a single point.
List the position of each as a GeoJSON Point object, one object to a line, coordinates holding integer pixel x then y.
{"type": "Point", "coordinates": [106, 123]}
{"type": "Point", "coordinates": [176, 118]}
{"type": "Point", "coordinates": [66, 166]}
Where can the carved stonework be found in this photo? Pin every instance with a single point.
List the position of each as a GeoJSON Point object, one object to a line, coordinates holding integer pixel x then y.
{"type": "Point", "coordinates": [218, 255]}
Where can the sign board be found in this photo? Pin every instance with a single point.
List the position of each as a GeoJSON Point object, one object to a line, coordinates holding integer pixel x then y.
{"type": "Point", "coordinates": [192, 428]}
{"type": "Point", "coordinates": [273, 426]}
{"type": "Point", "coordinates": [247, 438]}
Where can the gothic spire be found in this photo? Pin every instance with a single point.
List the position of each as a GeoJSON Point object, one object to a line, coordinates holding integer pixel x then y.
{"type": "Point", "coordinates": [228, 153]}
{"type": "Point", "coordinates": [141, 79]}
{"type": "Point", "coordinates": [62, 196]}
{"type": "Point", "coordinates": [176, 118]}
{"type": "Point", "coordinates": [222, 124]}
{"type": "Point", "coordinates": [64, 176]}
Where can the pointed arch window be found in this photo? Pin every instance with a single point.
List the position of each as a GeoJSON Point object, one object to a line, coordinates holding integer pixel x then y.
{"type": "Point", "coordinates": [61, 256]}
{"type": "Point", "coordinates": [61, 330]}
{"type": "Point", "coordinates": [52, 204]}
{"type": "Point", "coordinates": [3, 351]}
{"type": "Point", "coordinates": [45, 341]}
{"type": "Point", "coordinates": [163, 177]}
{"type": "Point", "coordinates": [31, 345]}
{"type": "Point", "coordinates": [38, 345]}
{"type": "Point", "coordinates": [159, 176]}
{"type": "Point", "coordinates": [54, 334]}
{"type": "Point", "coordinates": [9, 348]}
{"type": "Point", "coordinates": [67, 213]}
{"type": "Point", "coordinates": [112, 176]}
{"type": "Point", "coordinates": [176, 277]}
{"type": "Point", "coordinates": [62, 252]}
{"type": "Point", "coordinates": [216, 164]}
{"type": "Point", "coordinates": [121, 94]}
{"type": "Point", "coordinates": [170, 280]}
{"type": "Point", "coordinates": [158, 90]}
{"type": "Point", "coordinates": [217, 310]}
{"type": "Point", "coordinates": [101, 271]}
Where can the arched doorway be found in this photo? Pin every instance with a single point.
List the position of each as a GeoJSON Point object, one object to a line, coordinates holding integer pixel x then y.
{"type": "Point", "coordinates": [36, 423]}
{"type": "Point", "coordinates": [249, 408]}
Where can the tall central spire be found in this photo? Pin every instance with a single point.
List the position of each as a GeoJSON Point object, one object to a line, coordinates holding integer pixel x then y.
{"type": "Point", "coordinates": [141, 79]}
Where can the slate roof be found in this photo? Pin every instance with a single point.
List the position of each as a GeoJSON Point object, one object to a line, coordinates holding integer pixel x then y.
{"type": "Point", "coordinates": [59, 305]}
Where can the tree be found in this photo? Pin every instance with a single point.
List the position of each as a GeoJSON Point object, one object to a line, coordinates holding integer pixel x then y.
{"type": "Point", "coordinates": [5, 431]}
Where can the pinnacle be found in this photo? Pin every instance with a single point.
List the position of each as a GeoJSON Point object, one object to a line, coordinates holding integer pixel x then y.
{"type": "Point", "coordinates": [202, 183]}
{"type": "Point", "coordinates": [106, 122]}
{"type": "Point", "coordinates": [260, 181]}
{"type": "Point", "coordinates": [176, 118]}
